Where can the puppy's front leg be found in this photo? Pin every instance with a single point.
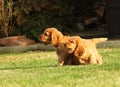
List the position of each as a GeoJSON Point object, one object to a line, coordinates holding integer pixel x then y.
{"type": "Point", "coordinates": [60, 62]}
{"type": "Point", "coordinates": [82, 62]}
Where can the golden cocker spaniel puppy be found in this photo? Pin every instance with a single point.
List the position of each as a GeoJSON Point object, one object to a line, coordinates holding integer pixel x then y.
{"type": "Point", "coordinates": [51, 36]}
{"type": "Point", "coordinates": [84, 50]}
{"type": "Point", "coordinates": [57, 39]}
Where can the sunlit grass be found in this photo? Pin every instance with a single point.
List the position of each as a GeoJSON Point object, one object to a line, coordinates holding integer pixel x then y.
{"type": "Point", "coordinates": [39, 69]}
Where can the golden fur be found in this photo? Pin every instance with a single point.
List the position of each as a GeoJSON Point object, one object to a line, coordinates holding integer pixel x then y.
{"type": "Point", "coordinates": [57, 39]}
{"type": "Point", "coordinates": [51, 36]}
{"type": "Point", "coordinates": [84, 50]}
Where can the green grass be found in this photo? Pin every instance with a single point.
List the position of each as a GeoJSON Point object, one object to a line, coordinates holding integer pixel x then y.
{"type": "Point", "coordinates": [39, 69]}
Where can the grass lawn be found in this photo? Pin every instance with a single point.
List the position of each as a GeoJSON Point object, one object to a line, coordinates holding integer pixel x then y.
{"type": "Point", "coordinates": [39, 69]}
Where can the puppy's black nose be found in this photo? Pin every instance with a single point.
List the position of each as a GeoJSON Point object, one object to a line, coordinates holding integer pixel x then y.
{"type": "Point", "coordinates": [40, 36]}
{"type": "Point", "coordinates": [64, 45]}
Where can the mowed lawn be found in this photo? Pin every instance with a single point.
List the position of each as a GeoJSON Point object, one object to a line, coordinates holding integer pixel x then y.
{"type": "Point", "coordinates": [39, 69]}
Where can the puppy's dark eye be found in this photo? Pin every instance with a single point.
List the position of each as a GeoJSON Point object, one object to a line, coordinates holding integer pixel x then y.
{"type": "Point", "coordinates": [71, 41]}
{"type": "Point", "coordinates": [46, 34]}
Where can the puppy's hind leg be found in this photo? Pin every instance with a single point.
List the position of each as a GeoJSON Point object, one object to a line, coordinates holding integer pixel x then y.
{"type": "Point", "coordinates": [99, 59]}
{"type": "Point", "coordinates": [92, 59]}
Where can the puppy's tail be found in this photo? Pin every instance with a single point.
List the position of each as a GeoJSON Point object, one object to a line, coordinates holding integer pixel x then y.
{"type": "Point", "coordinates": [98, 40]}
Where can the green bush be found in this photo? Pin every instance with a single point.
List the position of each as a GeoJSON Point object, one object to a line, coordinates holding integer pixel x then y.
{"type": "Point", "coordinates": [31, 17]}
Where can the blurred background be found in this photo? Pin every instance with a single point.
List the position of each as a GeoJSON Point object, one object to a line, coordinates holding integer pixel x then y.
{"type": "Point", "coordinates": [87, 18]}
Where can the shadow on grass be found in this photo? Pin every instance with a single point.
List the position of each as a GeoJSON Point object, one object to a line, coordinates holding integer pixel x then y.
{"type": "Point", "coordinates": [28, 67]}
{"type": "Point", "coordinates": [107, 66]}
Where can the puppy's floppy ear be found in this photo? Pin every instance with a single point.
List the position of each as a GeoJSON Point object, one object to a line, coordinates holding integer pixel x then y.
{"type": "Point", "coordinates": [55, 37]}
{"type": "Point", "coordinates": [79, 48]}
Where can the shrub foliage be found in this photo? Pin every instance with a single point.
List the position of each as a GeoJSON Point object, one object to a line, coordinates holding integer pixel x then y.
{"type": "Point", "coordinates": [31, 17]}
